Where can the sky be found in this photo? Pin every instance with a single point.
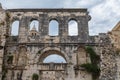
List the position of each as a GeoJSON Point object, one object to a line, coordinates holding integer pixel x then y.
{"type": "Point", "coordinates": [58, 59]}
{"type": "Point", "coordinates": [105, 13]}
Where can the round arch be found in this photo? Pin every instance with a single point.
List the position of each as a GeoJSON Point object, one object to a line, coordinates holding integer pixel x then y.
{"type": "Point", "coordinates": [72, 18]}
{"type": "Point", "coordinates": [54, 18]}
{"type": "Point", "coordinates": [46, 52]}
{"type": "Point", "coordinates": [15, 19]}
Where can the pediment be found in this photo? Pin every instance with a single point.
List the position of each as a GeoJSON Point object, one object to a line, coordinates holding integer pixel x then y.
{"type": "Point", "coordinates": [117, 27]}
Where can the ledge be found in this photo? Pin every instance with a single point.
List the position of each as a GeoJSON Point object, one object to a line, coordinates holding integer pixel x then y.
{"type": "Point", "coordinates": [49, 10]}
{"type": "Point", "coordinates": [54, 44]}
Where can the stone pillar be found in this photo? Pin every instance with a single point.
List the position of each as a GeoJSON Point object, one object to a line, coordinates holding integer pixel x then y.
{"type": "Point", "coordinates": [40, 26]}
{"type": "Point", "coordinates": [23, 32]}
{"type": "Point", "coordinates": [63, 29]}
{"type": "Point", "coordinates": [83, 29]}
{"type": "Point", "coordinates": [44, 25]}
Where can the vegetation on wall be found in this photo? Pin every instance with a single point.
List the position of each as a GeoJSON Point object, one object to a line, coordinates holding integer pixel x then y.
{"type": "Point", "coordinates": [4, 72]}
{"type": "Point", "coordinates": [93, 66]}
{"type": "Point", "coordinates": [39, 52]}
{"type": "Point", "coordinates": [10, 59]}
{"type": "Point", "coordinates": [35, 76]}
{"type": "Point", "coordinates": [7, 19]}
{"type": "Point", "coordinates": [14, 38]}
{"type": "Point", "coordinates": [93, 56]}
{"type": "Point", "coordinates": [8, 16]}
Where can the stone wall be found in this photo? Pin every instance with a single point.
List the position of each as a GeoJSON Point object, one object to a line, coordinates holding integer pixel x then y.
{"type": "Point", "coordinates": [108, 65]}
{"type": "Point", "coordinates": [44, 16]}
{"type": "Point", "coordinates": [23, 55]}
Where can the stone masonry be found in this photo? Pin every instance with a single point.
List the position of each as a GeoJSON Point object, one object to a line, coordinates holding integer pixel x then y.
{"type": "Point", "coordinates": [22, 56]}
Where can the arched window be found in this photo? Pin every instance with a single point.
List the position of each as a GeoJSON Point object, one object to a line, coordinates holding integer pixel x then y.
{"type": "Point", "coordinates": [34, 25]}
{"type": "Point", "coordinates": [15, 28]}
{"type": "Point", "coordinates": [53, 28]}
{"type": "Point", "coordinates": [72, 28]}
{"type": "Point", "coordinates": [54, 58]}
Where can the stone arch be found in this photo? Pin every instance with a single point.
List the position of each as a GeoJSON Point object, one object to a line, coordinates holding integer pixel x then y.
{"type": "Point", "coordinates": [15, 18]}
{"type": "Point", "coordinates": [48, 51]}
{"type": "Point", "coordinates": [54, 18]}
{"type": "Point", "coordinates": [33, 18]}
{"type": "Point", "coordinates": [81, 55]}
{"type": "Point", "coordinates": [73, 18]}
{"type": "Point", "coordinates": [22, 56]}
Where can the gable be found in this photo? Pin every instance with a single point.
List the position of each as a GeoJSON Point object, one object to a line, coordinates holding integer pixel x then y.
{"type": "Point", "coordinates": [117, 27]}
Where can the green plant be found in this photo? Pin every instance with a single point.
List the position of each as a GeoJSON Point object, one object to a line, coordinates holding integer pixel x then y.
{"type": "Point", "coordinates": [14, 38]}
{"type": "Point", "coordinates": [8, 15]}
{"type": "Point", "coordinates": [93, 66]}
{"type": "Point", "coordinates": [7, 19]}
{"type": "Point", "coordinates": [35, 76]}
{"type": "Point", "coordinates": [10, 59]}
{"type": "Point", "coordinates": [4, 71]}
{"type": "Point", "coordinates": [39, 52]}
{"type": "Point", "coordinates": [93, 56]}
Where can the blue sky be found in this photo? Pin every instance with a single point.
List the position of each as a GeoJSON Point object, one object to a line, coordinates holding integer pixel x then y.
{"type": "Point", "coordinates": [54, 58]}
{"type": "Point", "coordinates": [105, 13]}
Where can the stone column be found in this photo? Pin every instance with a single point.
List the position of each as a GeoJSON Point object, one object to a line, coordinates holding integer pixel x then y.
{"type": "Point", "coordinates": [83, 29]}
{"type": "Point", "coordinates": [63, 29]}
{"type": "Point", "coordinates": [23, 32]}
{"type": "Point", "coordinates": [44, 24]}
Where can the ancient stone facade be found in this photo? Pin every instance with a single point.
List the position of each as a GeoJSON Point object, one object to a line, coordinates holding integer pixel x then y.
{"type": "Point", "coordinates": [22, 56]}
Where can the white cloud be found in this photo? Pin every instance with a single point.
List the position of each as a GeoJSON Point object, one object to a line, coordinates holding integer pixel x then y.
{"type": "Point", "coordinates": [105, 13]}
{"type": "Point", "coordinates": [81, 3]}
{"type": "Point", "coordinates": [104, 16]}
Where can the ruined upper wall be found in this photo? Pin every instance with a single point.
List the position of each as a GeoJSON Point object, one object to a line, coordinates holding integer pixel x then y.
{"type": "Point", "coordinates": [44, 16]}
